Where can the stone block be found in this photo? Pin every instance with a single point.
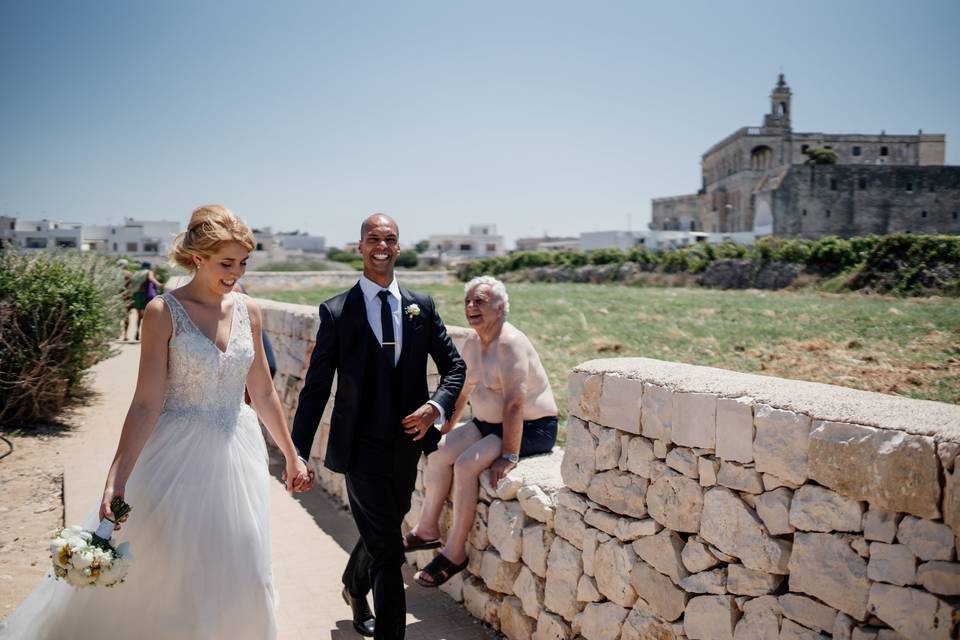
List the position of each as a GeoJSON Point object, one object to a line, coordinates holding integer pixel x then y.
{"type": "Point", "coordinates": [826, 566]}
{"type": "Point", "coordinates": [942, 578]}
{"type": "Point", "coordinates": [771, 482]}
{"type": "Point", "coordinates": [747, 582]}
{"type": "Point", "coordinates": [611, 568]}
{"type": "Point", "coordinates": [568, 524]}
{"type": "Point", "coordinates": [508, 487]}
{"type": "Point", "coordinates": [656, 412]}
{"type": "Point", "coordinates": [643, 624]}
{"type": "Point", "coordinates": [602, 621]}
{"type": "Point", "coordinates": [585, 395]}
{"type": "Point", "coordinates": [624, 529]}
{"type": "Point", "coordinates": [892, 563]}
{"type": "Point", "coordinates": [571, 500]}
{"type": "Point", "coordinates": [713, 581]}
{"type": "Point", "coordinates": [564, 569]}
{"type": "Point", "coordinates": [579, 456]}
{"type": "Point", "coordinates": [880, 525]}
{"type": "Point", "coordinates": [684, 461]}
{"type": "Point", "coordinates": [505, 529]}
{"type": "Point", "coordinates": [536, 545]}
{"type": "Point", "coordinates": [735, 529]}
{"type": "Point", "coordinates": [662, 448]}
{"type": "Point", "coordinates": [927, 540]}
{"type": "Point", "coordinates": [951, 499]}
{"type": "Point", "coordinates": [640, 457]}
{"type": "Point", "coordinates": [790, 630]}
{"type": "Point", "coordinates": [892, 470]}
{"type": "Point", "coordinates": [481, 604]}
{"type": "Point", "coordinates": [781, 443]}
{"type": "Point", "coordinates": [608, 450]}
{"type": "Point", "coordinates": [912, 612]}
{"type": "Point", "coordinates": [695, 420]}
{"type": "Point", "coordinates": [664, 598]}
{"type": "Point", "coordinates": [514, 625]}
{"type": "Point", "coordinates": [591, 538]}
{"type": "Point", "coordinates": [551, 627]}
{"type": "Point", "coordinates": [676, 502]}
{"type": "Point", "coordinates": [707, 469]}
{"type": "Point", "coordinates": [696, 557]}
{"type": "Point", "coordinates": [948, 453]}
{"type": "Point", "coordinates": [740, 478]}
{"type": "Point", "coordinates": [711, 618]}
{"type": "Point", "coordinates": [622, 493]}
{"type": "Point", "coordinates": [587, 590]}
{"type": "Point", "coordinates": [536, 504]}
{"type": "Point", "coordinates": [842, 627]}
{"type": "Point", "coordinates": [454, 587]}
{"type": "Point", "coordinates": [816, 508]}
{"type": "Point", "coordinates": [808, 612]}
{"type": "Point", "coordinates": [735, 429]}
{"type": "Point", "coordinates": [620, 403]}
{"type": "Point", "coordinates": [760, 621]}
{"type": "Point", "coordinates": [497, 574]}
{"type": "Point", "coordinates": [474, 558]}
{"type": "Point", "coordinates": [664, 553]}
{"type": "Point", "coordinates": [529, 588]}
{"type": "Point", "coordinates": [773, 507]}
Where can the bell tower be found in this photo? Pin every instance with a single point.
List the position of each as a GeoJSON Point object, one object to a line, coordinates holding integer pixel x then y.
{"type": "Point", "coordinates": [779, 116]}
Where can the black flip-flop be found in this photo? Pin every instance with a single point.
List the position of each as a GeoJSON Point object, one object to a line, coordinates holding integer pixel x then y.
{"type": "Point", "coordinates": [440, 569]}
{"type": "Point", "coordinates": [413, 542]}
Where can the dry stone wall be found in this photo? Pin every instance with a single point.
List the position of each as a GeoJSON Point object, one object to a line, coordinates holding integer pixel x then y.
{"type": "Point", "coordinates": [699, 503]}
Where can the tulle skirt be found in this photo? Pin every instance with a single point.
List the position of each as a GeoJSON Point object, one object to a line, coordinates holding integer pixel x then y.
{"type": "Point", "coordinates": [200, 538]}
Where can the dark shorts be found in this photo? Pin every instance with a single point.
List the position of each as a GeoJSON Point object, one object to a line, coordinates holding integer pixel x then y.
{"type": "Point", "coordinates": [539, 435]}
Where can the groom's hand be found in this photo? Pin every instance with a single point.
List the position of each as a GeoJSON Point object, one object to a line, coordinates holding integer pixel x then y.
{"type": "Point", "coordinates": [417, 423]}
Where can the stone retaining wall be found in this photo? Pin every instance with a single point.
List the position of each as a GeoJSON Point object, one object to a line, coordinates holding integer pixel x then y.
{"type": "Point", "coordinates": [701, 503]}
{"type": "Point", "coordinates": [307, 279]}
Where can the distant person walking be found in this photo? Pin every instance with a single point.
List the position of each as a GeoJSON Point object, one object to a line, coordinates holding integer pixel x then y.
{"type": "Point", "coordinates": [145, 288]}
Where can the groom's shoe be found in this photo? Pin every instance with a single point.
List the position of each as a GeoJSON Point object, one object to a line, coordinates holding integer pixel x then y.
{"type": "Point", "coordinates": [363, 619]}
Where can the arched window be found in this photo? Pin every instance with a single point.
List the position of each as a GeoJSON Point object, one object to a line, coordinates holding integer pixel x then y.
{"type": "Point", "coordinates": [761, 158]}
{"type": "Point", "coordinates": [783, 108]}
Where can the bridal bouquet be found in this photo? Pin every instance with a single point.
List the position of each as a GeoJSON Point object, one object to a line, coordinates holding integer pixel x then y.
{"type": "Point", "coordinates": [85, 558]}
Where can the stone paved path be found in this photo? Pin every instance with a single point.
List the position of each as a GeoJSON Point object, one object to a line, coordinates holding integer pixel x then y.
{"type": "Point", "coordinates": [311, 534]}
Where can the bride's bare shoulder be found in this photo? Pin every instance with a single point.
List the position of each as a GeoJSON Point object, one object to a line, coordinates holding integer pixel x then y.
{"type": "Point", "coordinates": [158, 317]}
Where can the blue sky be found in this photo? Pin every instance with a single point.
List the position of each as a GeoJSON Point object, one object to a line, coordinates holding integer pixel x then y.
{"type": "Point", "coordinates": [537, 116]}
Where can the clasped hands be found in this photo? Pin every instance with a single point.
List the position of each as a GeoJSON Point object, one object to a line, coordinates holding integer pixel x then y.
{"type": "Point", "coordinates": [297, 477]}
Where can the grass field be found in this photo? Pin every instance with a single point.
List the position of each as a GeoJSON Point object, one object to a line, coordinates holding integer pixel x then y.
{"type": "Point", "coordinates": [909, 347]}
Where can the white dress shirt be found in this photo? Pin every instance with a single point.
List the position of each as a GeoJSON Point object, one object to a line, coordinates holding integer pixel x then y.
{"type": "Point", "coordinates": [370, 291]}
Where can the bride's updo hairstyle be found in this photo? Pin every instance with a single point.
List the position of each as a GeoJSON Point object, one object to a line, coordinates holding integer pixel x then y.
{"type": "Point", "coordinates": [210, 227]}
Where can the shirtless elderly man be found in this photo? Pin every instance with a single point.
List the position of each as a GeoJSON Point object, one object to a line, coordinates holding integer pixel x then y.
{"type": "Point", "coordinates": [514, 415]}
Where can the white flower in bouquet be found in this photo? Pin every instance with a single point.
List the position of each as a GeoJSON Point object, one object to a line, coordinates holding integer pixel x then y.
{"type": "Point", "coordinates": [77, 578]}
{"type": "Point", "coordinates": [60, 549]}
{"type": "Point", "coordinates": [82, 558]}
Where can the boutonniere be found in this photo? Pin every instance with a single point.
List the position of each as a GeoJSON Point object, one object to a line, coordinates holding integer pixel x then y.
{"type": "Point", "coordinates": [412, 310]}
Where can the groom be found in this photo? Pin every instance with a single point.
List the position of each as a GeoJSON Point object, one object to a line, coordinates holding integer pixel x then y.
{"type": "Point", "coordinates": [376, 337]}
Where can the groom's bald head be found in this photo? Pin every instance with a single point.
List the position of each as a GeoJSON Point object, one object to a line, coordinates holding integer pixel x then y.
{"type": "Point", "coordinates": [378, 220]}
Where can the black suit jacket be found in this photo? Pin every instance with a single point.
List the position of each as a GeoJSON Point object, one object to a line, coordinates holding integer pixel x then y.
{"type": "Point", "coordinates": [341, 349]}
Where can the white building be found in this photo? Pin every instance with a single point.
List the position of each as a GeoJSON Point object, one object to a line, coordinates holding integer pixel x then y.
{"type": "Point", "coordinates": [482, 241]}
{"type": "Point", "coordinates": [302, 242]}
{"type": "Point", "coordinates": [133, 237]}
{"type": "Point", "coordinates": [656, 239]}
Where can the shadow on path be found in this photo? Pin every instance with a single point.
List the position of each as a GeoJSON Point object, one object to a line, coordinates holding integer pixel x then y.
{"type": "Point", "coordinates": [431, 614]}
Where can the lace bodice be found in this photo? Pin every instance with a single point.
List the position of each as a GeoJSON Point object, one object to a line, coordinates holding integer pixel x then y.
{"type": "Point", "coordinates": [201, 378]}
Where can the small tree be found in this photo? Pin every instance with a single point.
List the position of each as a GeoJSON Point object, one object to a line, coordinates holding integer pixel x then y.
{"type": "Point", "coordinates": [407, 258]}
{"type": "Point", "coordinates": [422, 246]}
{"type": "Point", "coordinates": [820, 155]}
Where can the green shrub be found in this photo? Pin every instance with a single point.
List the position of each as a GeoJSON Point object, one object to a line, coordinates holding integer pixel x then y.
{"type": "Point", "coordinates": [906, 264]}
{"type": "Point", "coordinates": [407, 259]}
{"type": "Point", "coordinates": [820, 155]}
{"type": "Point", "coordinates": [729, 250]}
{"type": "Point", "coordinates": [607, 256]}
{"type": "Point", "coordinates": [58, 315]}
{"type": "Point", "coordinates": [572, 259]}
{"type": "Point", "coordinates": [831, 255]}
{"type": "Point", "coordinates": [674, 261]}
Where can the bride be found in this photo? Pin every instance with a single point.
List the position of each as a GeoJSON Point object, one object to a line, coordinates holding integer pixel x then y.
{"type": "Point", "coordinates": [192, 463]}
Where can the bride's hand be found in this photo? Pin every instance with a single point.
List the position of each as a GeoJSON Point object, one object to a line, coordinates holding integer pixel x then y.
{"type": "Point", "coordinates": [108, 495]}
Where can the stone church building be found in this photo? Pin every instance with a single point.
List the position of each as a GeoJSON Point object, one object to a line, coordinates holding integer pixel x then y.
{"type": "Point", "coordinates": [755, 180]}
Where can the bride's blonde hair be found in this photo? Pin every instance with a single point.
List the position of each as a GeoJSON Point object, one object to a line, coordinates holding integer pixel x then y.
{"type": "Point", "coordinates": [210, 226]}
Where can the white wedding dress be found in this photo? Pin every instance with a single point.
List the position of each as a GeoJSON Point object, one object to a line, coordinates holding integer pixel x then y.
{"type": "Point", "coordinates": [199, 531]}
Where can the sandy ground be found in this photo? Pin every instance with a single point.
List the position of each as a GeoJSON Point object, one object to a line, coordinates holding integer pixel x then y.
{"type": "Point", "coordinates": [31, 483]}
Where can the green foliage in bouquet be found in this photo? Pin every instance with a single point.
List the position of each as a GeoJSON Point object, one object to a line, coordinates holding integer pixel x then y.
{"type": "Point", "coordinates": [58, 315]}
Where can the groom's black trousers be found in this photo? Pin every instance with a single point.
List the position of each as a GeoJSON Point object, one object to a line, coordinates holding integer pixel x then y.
{"type": "Point", "coordinates": [379, 499]}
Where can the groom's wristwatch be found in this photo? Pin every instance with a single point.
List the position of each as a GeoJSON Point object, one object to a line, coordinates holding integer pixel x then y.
{"type": "Point", "coordinates": [511, 457]}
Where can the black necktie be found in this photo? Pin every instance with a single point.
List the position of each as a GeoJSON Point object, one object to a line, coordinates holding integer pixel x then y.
{"type": "Point", "coordinates": [386, 326]}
